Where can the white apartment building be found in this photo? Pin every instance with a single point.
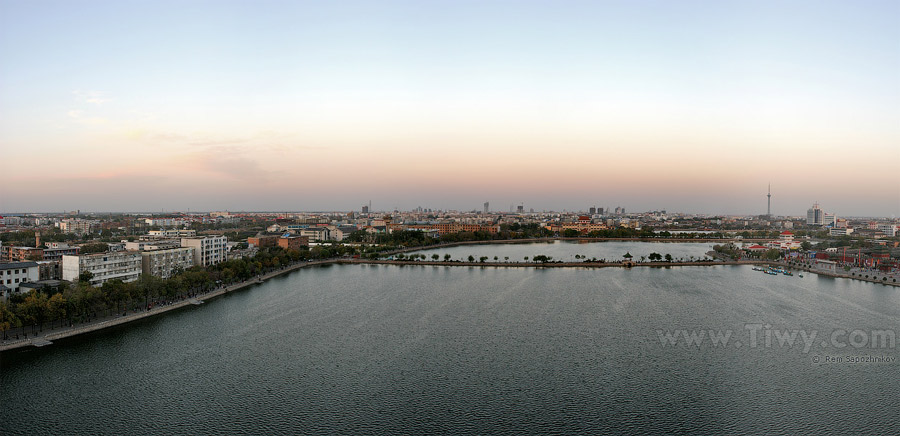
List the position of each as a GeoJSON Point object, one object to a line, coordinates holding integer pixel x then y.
{"type": "Point", "coordinates": [13, 274]}
{"type": "Point", "coordinates": [208, 250]}
{"type": "Point", "coordinates": [842, 231]}
{"type": "Point", "coordinates": [159, 244]}
{"type": "Point", "coordinates": [78, 226]}
{"type": "Point", "coordinates": [889, 230]}
{"type": "Point", "coordinates": [165, 222]}
{"type": "Point", "coordinates": [316, 233]}
{"type": "Point", "coordinates": [164, 263]}
{"type": "Point", "coordinates": [123, 265]}
{"type": "Point", "coordinates": [172, 233]}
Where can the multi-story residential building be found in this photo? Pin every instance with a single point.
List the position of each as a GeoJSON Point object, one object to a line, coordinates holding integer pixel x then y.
{"type": "Point", "coordinates": [889, 230]}
{"type": "Point", "coordinates": [840, 231]}
{"type": "Point", "coordinates": [341, 233]}
{"type": "Point", "coordinates": [9, 253]}
{"type": "Point", "coordinates": [316, 233]}
{"type": "Point", "coordinates": [262, 241]}
{"type": "Point", "coordinates": [78, 226]}
{"type": "Point", "coordinates": [165, 222]}
{"type": "Point", "coordinates": [208, 250]}
{"type": "Point", "coordinates": [293, 242]}
{"type": "Point", "coordinates": [14, 274]}
{"type": "Point", "coordinates": [123, 265]}
{"type": "Point", "coordinates": [165, 263]}
{"type": "Point", "coordinates": [451, 227]}
{"type": "Point", "coordinates": [22, 254]}
{"type": "Point", "coordinates": [157, 244]}
{"type": "Point", "coordinates": [172, 233]}
{"type": "Point", "coordinates": [50, 269]}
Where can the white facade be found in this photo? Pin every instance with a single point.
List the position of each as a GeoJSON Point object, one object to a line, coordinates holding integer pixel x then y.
{"type": "Point", "coordinates": [165, 222]}
{"type": "Point", "coordinates": [164, 263]}
{"type": "Point", "coordinates": [208, 250]}
{"type": "Point", "coordinates": [124, 265]}
{"type": "Point", "coordinates": [316, 233]}
{"type": "Point", "coordinates": [843, 231]}
{"type": "Point", "coordinates": [172, 233]}
{"type": "Point", "coordinates": [152, 245]}
{"type": "Point", "coordinates": [889, 230]}
{"type": "Point", "coordinates": [13, 274]}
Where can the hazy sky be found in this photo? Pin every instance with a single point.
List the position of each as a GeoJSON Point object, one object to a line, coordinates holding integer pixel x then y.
{"type": "Point", "coordinates": [290, 105]}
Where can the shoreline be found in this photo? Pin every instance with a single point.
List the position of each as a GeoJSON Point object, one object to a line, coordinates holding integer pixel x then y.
{"type": "Point", "coordinates": [66, 332]}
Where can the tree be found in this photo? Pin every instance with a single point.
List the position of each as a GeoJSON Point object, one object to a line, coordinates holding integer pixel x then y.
{"type": "Point", "coordinates": [668, 257]}
{"type": "Point", "coordinates": [542, 258]}
{"type": "Point", "coordinates": [570, 233]}
{"type": "Point", "coordinates": [447, 257]}
{"type": "Point", "coordinates": [805, 245]}
{"type": "Point", "coordinates": [435, 257]}
{"type": "Point", "coordinates": [8, 319]}
{"type": "Point", "coordinates": [483, 259]}
{"type": "Point", "coordinates": [471, 258]}
{"type": "Point", "coordinates": [655, 257]}
{"type": "Point", "coordinates": [85, 277]}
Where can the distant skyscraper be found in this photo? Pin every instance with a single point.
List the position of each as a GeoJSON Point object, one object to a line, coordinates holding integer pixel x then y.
{"type": "Point", "coordinates": [769, 207]}
{"type": "Point", "coordinates": [487, 207]}
{"type": "Point", "coordinates": [365, 209]}
{"type": "Point", "coordinates": [814, 216]}
{"type": "Point", "coordinates": [520, 209]}
{"type": "Point", "coordinates": [593, 210]}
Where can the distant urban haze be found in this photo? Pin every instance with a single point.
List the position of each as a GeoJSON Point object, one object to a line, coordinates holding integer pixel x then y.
{"type": "Point", "coordinates": [218, 105]}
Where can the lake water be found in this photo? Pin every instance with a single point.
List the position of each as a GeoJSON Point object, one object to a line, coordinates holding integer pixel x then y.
{"type": "Point", "coordinates": [566, 250]}
{"type": "Point", "coordinates": [468, 350]}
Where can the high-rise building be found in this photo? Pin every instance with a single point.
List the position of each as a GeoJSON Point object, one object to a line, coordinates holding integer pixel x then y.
{"type": "Point", "coordinates": [365, 209]}
{"type": "Point", "coordinates": [487, 206]}
{"type": "Point", "coordinates": [593, 211]}
{"type": "Point", "coordinates": [815, 216]}
{"type": "Point", "coordinates": [520, 209]}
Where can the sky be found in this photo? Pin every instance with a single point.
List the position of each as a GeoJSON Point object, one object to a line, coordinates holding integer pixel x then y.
{"type": "Point", "coordinates": [293, 105]}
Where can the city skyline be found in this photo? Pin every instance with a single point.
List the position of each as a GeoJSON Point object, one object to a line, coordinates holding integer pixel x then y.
{"type": "Point", "coordinates": [690, 107]}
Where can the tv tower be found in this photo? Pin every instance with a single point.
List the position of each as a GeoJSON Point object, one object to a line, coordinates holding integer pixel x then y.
{"type": "Point", "coordinates": [769, 208]}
